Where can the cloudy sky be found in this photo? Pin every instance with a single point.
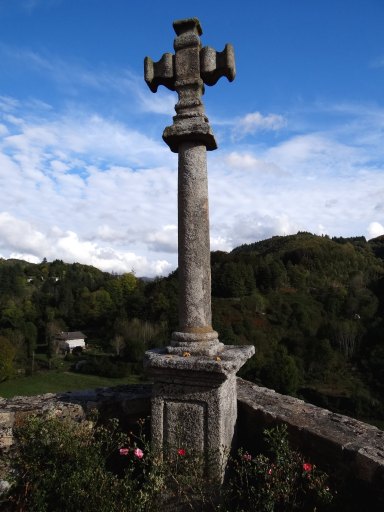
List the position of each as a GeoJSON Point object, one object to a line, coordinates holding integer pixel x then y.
{"type": "Point", "coordinates": [85, 175]}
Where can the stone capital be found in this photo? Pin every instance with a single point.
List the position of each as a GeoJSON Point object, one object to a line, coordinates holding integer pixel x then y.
{"type": "Point", "coordinates": [188, 129]}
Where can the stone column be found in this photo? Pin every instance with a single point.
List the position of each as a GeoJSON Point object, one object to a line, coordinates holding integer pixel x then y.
{"type": "Point", "coordinates": [195, 316]}
{"type": "Point", "coordinates": [194, 253]}
{"type": "Point", "coordinates": [194, 395]}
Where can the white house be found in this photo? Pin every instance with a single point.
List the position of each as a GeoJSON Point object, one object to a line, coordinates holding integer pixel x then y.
{"type": "Point", "coordinates": [67, 341]}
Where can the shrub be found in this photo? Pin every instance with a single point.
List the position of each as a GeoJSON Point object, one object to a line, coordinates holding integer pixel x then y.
{"type": "Point", "coordinates": [102, 366]}
{"type": "Point", "coordinates": [282, 480]}
{"type": "Point", "coordinates": [60, 465]}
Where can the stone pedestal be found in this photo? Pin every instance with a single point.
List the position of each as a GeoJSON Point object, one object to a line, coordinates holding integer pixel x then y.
{"type": "Point", "coordinates": [194, 403]}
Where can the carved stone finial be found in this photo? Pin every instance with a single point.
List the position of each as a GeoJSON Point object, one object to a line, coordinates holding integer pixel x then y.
{"type": "Point", "coordinates": [187, 25]}
{"type": "Point", "coordinates": [186, 72]}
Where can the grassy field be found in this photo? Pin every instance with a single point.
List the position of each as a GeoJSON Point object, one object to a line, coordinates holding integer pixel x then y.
{"type": "Point", "coordinates": [58, 381]}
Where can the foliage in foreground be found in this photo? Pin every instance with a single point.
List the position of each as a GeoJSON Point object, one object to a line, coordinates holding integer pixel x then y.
{"type": "Point", "coordinates": [279, 481]}
{"type": "Point", "coordinates": [60, 465]}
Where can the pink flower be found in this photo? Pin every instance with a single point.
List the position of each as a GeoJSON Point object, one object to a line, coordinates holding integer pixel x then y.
{"type": "Point", "coordinates": [247, 456]}
{"type": "Point", "coordinates": [307, 466]}
{"type": "Point", "coordinates": [270, 471]}
{"type": "Point", "coordinates": [181, 452]}
{"type": "Point", "coordinates": [138, 453]}
{"type": "Point", "coordinates": [124, 451]}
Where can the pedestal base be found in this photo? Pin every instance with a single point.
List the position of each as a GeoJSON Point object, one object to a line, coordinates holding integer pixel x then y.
{"type": "Point", "coordinates": [194, 403]}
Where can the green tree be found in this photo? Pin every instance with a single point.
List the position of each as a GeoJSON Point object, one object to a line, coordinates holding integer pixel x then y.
{"type": "Point", "coordinates": [11, 315]}
{"type": "Point", "coordinates": [128, 282]}
{"type": "Point", "coordinates": [232, 280]}
{"type": "Point", "coordinates": [281, 372]}
{"type": "Point", "coordinates": [319, 358]}
{"type": "Point", "coordinates": [30, 335]}
{"type": "Point", "coordinates": [7, 356]}
{"type": "Point", "coordinates": [376, 366]}
{"type": "Point", "coordinates": [52, 328]}
{"type": "Point", "coordinates": [346, 335]}
{"type": "Point", "coordinates": [118, 343]}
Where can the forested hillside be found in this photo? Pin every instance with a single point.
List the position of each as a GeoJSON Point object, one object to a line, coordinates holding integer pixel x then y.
{"type": "Point", "coordinates": [312, 306]}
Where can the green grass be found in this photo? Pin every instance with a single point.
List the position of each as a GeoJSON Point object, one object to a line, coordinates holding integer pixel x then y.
{"type": "Point", "coordinates": [58, 381]}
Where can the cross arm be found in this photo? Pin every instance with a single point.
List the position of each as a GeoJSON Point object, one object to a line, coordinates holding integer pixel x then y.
{"type": "Point", "coordinates": [214, 65]}
{"type": "Point", "coordinates": [160, 73]}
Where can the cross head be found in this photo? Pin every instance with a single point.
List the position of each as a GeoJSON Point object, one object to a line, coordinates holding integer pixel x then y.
{"type": "Point", "coordinates": [186, 72]}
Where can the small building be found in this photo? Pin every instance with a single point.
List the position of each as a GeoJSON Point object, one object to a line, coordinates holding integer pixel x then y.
{"type": "Point", "coordinates": [67, 341]}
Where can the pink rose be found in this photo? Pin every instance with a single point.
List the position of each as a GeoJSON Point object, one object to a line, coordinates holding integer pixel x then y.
{"type": "Point", "coordinates": [124, 451]}
{"type": "Point", "coordinates": [138, 453]}
{"type": "Point", "coordinates": [247, 457]}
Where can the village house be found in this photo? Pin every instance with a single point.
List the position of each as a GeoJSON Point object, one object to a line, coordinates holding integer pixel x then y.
{"type": "Point", "coordinates": [67, 341]}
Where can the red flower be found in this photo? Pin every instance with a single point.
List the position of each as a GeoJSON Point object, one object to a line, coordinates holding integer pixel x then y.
{"type": "Point", "coordinates": [181, 452]}
{"type": "Point", "coordinates": [307, 466]}
{"type": "Point", "coordinates": [124, 451]}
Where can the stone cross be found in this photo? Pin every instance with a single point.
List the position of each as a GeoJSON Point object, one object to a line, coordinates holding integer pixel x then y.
{"type": "Point", "coordinates": [191, 136]}
{"type": "Point", "coordinates": [194, 397]}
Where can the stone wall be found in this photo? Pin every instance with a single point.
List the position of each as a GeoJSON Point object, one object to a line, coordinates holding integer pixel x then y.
{"type": "Point", "coordinates": [128, 403]}
{"type": "Point", "coordinates": [352, 450]}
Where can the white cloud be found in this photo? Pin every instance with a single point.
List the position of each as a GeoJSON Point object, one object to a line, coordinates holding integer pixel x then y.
{"type": "Point", "coordinates": [19, 235]}
{"type": "Point", "coordinates": [315, 154]}
{"type": "Point", "coordinates": [323, 182]}
{"type": "Point", "coordinates": [163, 102]}
{"type": "Point", "coordinates": [107, 258]}
{"type": "Point", "coordinates": [65, 195]}
{"type": "Point", "coordinates": [164, 240]}
{"type": "Point", "coordinates": [248, 228]}
{"type": "Point", "coordinates": [220, 243]}
{"type": "Point", "coordinates": [83, 134]}
{"type": "Point", "coordinates": [23, 256]}
{"type": "Point", "coordinates": [72, 78]}
{"type": "Point", "coordinates": [81, 186]}
{"type": "Point", "coordinates": [248, 161]}
{"type": "Point", "coordinates": [254, 122]}
{"type": "Point", "coordinates": [8, 104]}
{"type": "Point", "coordinates": [20, 239]}
{"type": "Point", "coordinates": [375, 229]}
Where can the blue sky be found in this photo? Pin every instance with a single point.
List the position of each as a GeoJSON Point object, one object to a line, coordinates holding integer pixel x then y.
{"type": "Point", "coordinates": [85, 175]}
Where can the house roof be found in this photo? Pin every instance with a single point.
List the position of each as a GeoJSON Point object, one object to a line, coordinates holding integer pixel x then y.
{"type": "Point", "coordinates": [75, 335]}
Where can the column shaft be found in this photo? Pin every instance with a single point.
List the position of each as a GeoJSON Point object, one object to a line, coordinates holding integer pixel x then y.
{"type": "Point", "coordinates": [194, 246]}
